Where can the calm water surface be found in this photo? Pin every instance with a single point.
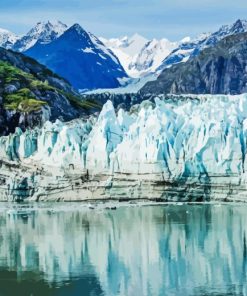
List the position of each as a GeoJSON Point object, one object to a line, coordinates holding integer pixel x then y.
{"type": "Point", "coordinates": [70, 250]}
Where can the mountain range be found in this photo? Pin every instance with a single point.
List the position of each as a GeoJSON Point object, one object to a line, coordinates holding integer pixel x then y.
{"type": "Point", "coordinates": [209, 64]}
{"type": "Point", "coordinates": [156, 56]}
{"type": "Point", "coordinates": [76, 55]}
{"type": "Point", "coordinates": [219, 69]}
{"type": "Point", "coordinates": [138, 55]}
{"type": "Point", "coordinates": [193, 47]}
{"type": "Point", "coordinates": [152, 56]}
{"type": "Point", "coordinates": [108, 63]}
{"type": "Point", "coordinates": [91, 63]}
{"type": "Point", "coordinates": [126, 49]}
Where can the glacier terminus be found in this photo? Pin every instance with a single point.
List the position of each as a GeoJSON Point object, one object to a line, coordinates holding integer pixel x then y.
{"type": "Point", "coordinates": [187, 149]}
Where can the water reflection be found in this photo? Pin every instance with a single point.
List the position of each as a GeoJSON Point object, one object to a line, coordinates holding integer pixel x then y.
{"type": "Point", "coordinates": [152, 250]}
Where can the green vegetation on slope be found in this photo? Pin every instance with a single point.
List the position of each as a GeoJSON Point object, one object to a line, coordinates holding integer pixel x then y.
{"type": "Point", "coordinates": [24, 97]}
{"type": "Point", "coordinates": [85, 104]}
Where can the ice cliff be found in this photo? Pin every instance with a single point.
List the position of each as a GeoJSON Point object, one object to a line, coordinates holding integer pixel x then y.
{"type": "Point", "coordinates": [177, 138]}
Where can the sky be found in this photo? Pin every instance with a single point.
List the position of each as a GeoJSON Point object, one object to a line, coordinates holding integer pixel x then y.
{"type": "Point", "coordinates": [172, 19]}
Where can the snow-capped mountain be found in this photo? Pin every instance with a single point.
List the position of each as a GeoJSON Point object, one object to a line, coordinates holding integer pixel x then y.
{"type": "Point", "coordinates": [151, 56]}
{"type": "Point", "coordinates": [43, 33]}
{"type": "Point", "coordinates": [190, 48]}
{"type": "Point", "coordinates": [7, 38]}
{"type": "Point", "coordinates": [219, 69]}
{"type": "Point", "coordinates": [126, 49]}
{"type": "Point", "coordinates": [81, 58]}
{"type": "Point", "coordinates": [138, 55]}
{"type": "Point", "coordinates": [129, 45]}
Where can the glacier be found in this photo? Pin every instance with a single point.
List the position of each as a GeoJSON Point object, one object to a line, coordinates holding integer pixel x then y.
{"type": "Point", "coordinates": [170, 148]}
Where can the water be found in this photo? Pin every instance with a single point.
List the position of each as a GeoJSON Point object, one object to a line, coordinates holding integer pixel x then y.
{"type": "Point", "coordinates": [69, 249]}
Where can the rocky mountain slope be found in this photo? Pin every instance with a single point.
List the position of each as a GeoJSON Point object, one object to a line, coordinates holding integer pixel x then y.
{"type": "Point", "coordinates": [31, 94]}
{"type": "Point", "coordinates": [156, 55]}
{"type": "Point", "coordinates": [221, 69]}
{"type": "Point", "coordinates": [190, 48]}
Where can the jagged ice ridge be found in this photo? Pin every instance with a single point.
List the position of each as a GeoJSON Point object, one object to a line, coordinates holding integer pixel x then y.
{"type": "Point", "coordinates": [200, 136]}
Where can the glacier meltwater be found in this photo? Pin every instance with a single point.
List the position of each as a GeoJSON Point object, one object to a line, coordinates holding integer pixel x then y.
{"type": "Point", "coordinates": [176, 148]}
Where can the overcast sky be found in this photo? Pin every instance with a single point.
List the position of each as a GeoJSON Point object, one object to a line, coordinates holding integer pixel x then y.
{"type": "Point", "coordinates": [173, 19]}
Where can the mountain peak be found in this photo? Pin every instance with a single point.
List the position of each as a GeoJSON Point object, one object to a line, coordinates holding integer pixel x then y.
{"type": "Point", "coordinates": [42, 32]}
{"type": "Point", "coordinates": [137, 36]}
{"type": "Point", "coordinates": [7, 38]}
{"type": "Point", "coordinates": [76, 27]}
{"type": "Point", "coordinates": [56, 26]}
{"type": "Point", "coordinates": [88, 63]}
{"type": "Point", "coordinates": [239, 26]}
{"type": "Point", "coordinates": [186, 39]}
{"type": "Point", "coordinates": [77, 33]}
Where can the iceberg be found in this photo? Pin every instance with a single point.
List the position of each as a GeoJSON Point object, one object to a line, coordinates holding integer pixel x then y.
{"type": "Point", "coordinates": [178, 144]}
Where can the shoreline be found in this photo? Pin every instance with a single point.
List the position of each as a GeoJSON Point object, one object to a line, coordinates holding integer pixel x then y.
{"type": "Point", "coordinates": [28, 207]}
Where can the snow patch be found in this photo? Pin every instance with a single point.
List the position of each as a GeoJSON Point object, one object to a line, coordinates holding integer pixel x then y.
{"type": "Point", "coordinates": [88, 50]}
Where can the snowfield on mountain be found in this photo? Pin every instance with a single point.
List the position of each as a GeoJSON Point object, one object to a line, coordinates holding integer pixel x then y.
{"type": "Point", "coordinates": [138, 55]}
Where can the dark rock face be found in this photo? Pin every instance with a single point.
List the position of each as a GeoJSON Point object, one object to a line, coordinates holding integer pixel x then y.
{"type": "Point", "coordinates": [31, 94]}
{"type": "Point", "coordinates": [31, 66]}
{"type": "Point", "coordinates": [221, 69]}
{"type": "Point", "coordinates": [10, 120]}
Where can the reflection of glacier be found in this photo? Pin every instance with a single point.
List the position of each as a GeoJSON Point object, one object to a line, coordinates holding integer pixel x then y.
{"type": "Point", "coordinates": [200, 139]}
{"type": "Point", "coordinates": [170, 250]}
